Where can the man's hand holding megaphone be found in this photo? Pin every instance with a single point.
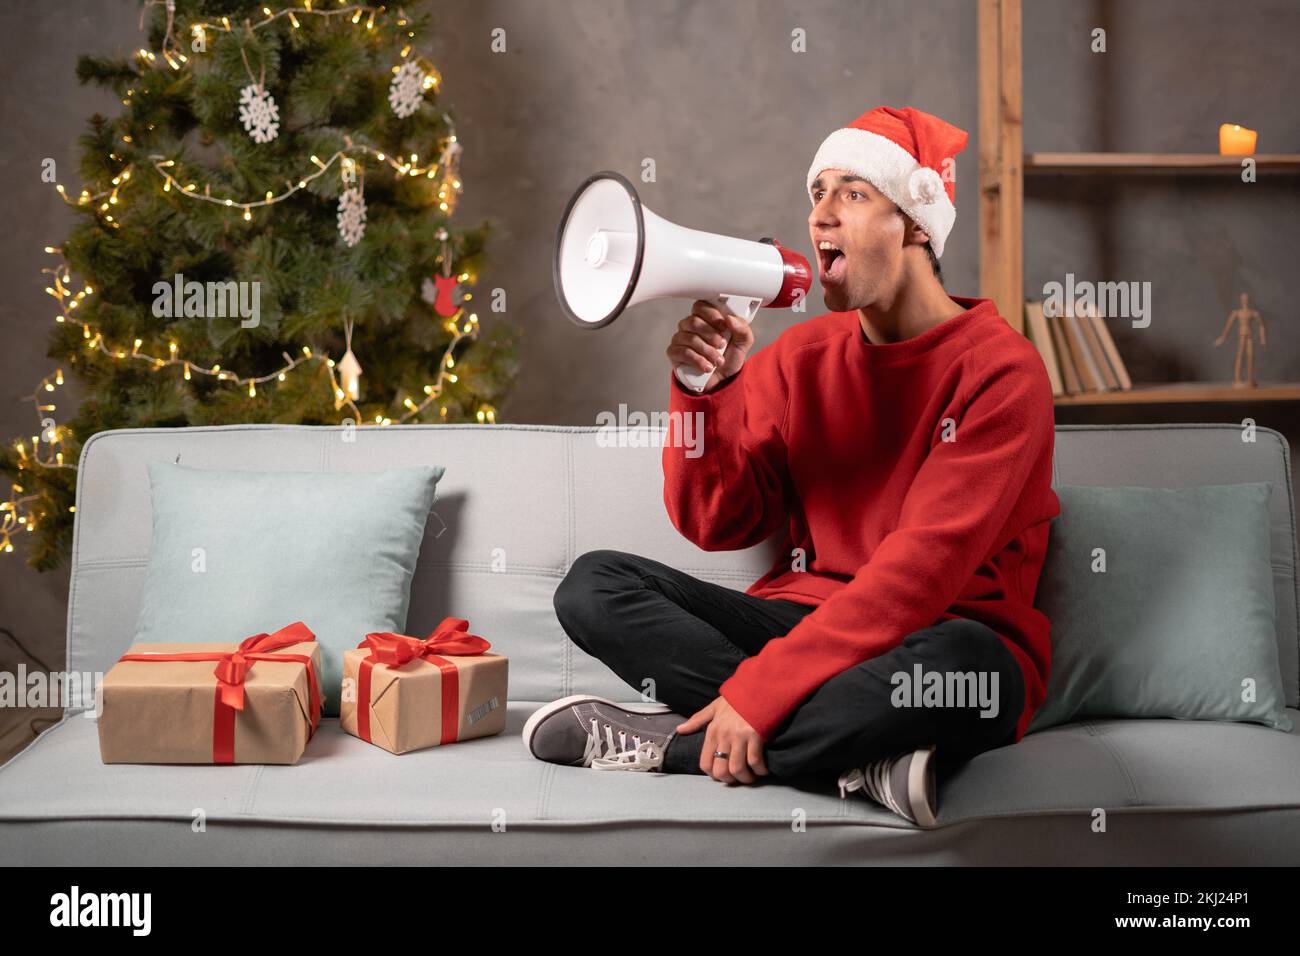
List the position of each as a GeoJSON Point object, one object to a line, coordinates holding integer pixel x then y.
{"type": "Point", "coordinates": [711, 340]}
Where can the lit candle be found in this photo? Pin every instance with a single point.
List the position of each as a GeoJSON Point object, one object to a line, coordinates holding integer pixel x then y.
{"type": "Point", "coordinates": [1236, 140]}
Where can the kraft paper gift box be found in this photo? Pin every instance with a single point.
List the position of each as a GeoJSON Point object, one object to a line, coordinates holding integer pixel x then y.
{"type": "Point", "coordinates": [402, 693]}
{"type": "Point", "coordinates": [254, 702]}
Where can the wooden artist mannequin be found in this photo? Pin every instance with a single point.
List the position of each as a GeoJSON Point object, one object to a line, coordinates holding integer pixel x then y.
{"type": "Point", "coordinates": [1243, 316]}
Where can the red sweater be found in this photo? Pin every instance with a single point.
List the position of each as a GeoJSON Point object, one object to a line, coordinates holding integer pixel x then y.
{"type": "Point", "coordinates": [841, 442]}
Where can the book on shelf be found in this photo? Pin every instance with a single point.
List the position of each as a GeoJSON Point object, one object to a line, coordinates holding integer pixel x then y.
{"type": "Point", "coordinates": [1077, 349]}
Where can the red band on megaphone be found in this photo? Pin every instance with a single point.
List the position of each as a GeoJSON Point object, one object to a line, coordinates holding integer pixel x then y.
{"type": "Point", "coordinates": [798, 278]}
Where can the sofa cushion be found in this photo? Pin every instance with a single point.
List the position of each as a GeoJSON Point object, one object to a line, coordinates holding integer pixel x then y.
{"type": "Point", "coordinates": [486, 800]}
{"type": "Point", "coordinates": [1161, 604]}
{"type": "Point", "coordinates": [238, 553]}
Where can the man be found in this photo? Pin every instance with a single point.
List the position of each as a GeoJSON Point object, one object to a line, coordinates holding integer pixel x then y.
{"type": "Point", "coordinates": [904, 443]}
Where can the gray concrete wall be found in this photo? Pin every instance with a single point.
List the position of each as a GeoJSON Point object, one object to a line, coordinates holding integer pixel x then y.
{"type": "Point", "coordinates": [714, 94]}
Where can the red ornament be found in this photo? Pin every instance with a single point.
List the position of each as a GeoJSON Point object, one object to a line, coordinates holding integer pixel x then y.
{"type": "Point", "coordinates": [444, 305]}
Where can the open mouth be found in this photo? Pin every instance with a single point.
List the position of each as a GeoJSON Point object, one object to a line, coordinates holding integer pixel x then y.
{"type": "Point", "coordinates": [831, 262]}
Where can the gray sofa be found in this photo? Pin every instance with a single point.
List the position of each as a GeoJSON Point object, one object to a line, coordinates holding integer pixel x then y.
{"type": "Point", "coordinates": [1173, 792]}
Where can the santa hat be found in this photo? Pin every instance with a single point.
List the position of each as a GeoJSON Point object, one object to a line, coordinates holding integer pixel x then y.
{"type": "Point", "coordinates": [901, 153]}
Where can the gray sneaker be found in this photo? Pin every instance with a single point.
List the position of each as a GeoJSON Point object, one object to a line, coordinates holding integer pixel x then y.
{"type": "Point", "coordinates": [903, 783]}
{"type": "Point", "coordinates": [587, 731]}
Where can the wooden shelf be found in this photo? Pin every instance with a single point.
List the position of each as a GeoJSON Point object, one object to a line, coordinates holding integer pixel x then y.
{"type": "Point", "coordinates": [1182, 392]}
{"type": "Point", "coordinates": [1003, 166]}
{"type": "Point", "coordinates": [1168, 163]}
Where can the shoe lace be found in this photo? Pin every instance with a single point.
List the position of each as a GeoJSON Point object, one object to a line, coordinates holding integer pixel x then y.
{"type": "Point", "coordinates": [642, 755]}
{"type": "Point", "coordinates": [873, 777]}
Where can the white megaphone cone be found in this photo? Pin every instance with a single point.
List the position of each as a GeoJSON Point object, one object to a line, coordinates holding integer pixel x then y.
{"type": "Point", "coordinates": [611, 252]}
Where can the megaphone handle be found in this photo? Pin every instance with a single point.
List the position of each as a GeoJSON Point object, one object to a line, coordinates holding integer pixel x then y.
{"type": "Point", "coordinates": [746, 307]}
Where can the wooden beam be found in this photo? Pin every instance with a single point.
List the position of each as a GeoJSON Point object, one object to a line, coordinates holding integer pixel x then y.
{"type": "Point", "coordinates": [1001, 150]}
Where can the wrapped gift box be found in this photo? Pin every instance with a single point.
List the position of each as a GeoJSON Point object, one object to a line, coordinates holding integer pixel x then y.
{"type": "Point", "coordinates": [255, 702]}
{"type": "Point", "coordinates": [402, 693]}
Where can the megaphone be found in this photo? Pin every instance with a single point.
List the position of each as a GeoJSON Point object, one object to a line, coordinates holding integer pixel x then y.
{"type": "Point", "coordinates": [611, 252]}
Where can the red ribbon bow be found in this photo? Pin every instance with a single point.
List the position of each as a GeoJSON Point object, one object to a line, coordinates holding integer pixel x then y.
{"type": "Point", "coordinates": [232, 669]}
{"type": "Point", "coordinates": [396, 650]}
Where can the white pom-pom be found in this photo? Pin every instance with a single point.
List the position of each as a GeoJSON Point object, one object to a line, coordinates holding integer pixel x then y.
{"type": "Point", "coordinates": [925, 185]}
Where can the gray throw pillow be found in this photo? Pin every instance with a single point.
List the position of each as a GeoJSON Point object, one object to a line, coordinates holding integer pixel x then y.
{"type": "Point", "coordinates": [1181, 621]}
{"type": "Point", "coordinates": [238, 553]}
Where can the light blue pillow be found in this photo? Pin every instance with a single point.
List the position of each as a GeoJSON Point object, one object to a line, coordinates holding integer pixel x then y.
{"type": "Point", "coordinates": [1180, 623]}
{"type": "Point", "coordinates": [236, 553]}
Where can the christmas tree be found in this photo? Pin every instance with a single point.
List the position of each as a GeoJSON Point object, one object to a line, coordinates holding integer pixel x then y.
{"type": "Point", "coordinates": [263, 236]}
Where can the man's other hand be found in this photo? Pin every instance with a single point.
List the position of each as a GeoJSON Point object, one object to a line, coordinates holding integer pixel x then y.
{"type": "Point", "coordinates": [729, 733]}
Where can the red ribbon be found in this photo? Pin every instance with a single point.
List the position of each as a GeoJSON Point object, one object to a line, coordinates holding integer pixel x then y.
{"type": "Point", "coordinates": [396, 650]}
{"type": "Point", "coordinates": [231, 670]}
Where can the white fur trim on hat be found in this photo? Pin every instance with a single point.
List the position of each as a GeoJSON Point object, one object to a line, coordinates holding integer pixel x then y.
{"type": "Point", "coordinates": [915, 189]}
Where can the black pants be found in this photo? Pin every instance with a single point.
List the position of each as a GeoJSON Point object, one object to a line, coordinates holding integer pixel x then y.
{"type": "Point", "coordinates": [676, 638]}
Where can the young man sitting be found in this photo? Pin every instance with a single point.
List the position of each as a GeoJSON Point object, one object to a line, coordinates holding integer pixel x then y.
{"type": "Point", "coordinates": [903, 443]}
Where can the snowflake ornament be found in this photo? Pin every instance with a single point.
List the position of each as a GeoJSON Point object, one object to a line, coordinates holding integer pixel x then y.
{"type": "Point", "coordinates": [406, 92]}
{"type": "Point", "coordinates": [352, 216]}
{"type": "Point", "coordinates": [258, 113]}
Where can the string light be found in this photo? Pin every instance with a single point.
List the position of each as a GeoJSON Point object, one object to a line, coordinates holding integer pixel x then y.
{"type": "Point", "coordinates": [190, 190]}
{"type": "Point", "coordinates": [174, 55]}
{"type": "Point", "coordinates": [12, 514]}
{"type": "Point", "coordinates": [68, 301]}
{"type": "Point", "coordinates": [450, 151]}
{"type": "Point", "coordinates": [173, 52]}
